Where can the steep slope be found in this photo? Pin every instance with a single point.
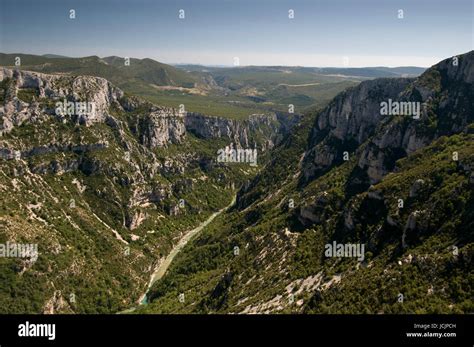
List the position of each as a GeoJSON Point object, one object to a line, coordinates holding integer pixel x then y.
{"type": "Point", "coordinates": [104, 184]}
{"type": "Point", "coordinates": [400, 185]}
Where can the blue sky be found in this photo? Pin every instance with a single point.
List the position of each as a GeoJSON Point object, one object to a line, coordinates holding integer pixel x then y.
{"type": "Point", "coordinates": [258, 32]}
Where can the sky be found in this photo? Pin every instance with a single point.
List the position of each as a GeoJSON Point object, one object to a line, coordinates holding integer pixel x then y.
{"type": "Point", "coordinates": [338, 33]}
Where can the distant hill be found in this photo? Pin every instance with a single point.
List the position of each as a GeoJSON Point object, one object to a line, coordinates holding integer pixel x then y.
{"type": "Point", "coordinates": [151, 71]}
{"type": "Point", "coordinates": [140, 71]}
{"type": "Point", "coordinates": [54, 56]}
{"type": "Point", "coordinates": [374, 72]}
{"type": "Point", "coordinates": [364, 72]}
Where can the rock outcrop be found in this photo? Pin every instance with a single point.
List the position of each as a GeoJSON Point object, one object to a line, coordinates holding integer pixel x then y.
{"type": "Point", "coordinates": [353, 121]}
{"type": "Point", "coordinates": [58, 88]}
{"type": "Point", "coordinates": [160, 127]}
{"type": "Point", "coordinates": [156, 126]}
{"type": "Point", "coordinates": [348, 121]}
{"type": "Point", "coordinates": [238, 132]}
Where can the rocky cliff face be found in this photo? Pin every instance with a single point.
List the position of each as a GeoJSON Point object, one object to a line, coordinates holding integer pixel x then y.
{"type": "Point", "coordinates": [257, 126]}
{"type": "Point", "coordinates": [160, 127]}
{"type": "Point", "coordinates": [15, 111]}
{"type": "Point", "coordinates": [349, 120]}
{"type": "Point", "coordinates": [155, 126]}
{"type": "Point", "coordinates": [446, 94]}
{"type": "Point", "coordinates": [353, 122]}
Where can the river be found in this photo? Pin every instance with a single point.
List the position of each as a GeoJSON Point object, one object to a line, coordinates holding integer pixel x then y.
{"type": "Point", "coordinates": [160, 270]}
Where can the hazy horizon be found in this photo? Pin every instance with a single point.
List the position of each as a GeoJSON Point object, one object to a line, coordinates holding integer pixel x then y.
{"type": "Point", "coordinates": [220, 65]}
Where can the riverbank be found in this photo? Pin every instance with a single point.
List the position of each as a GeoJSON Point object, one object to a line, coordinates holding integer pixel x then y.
{"type": "Point", "coordinates": [161, 269]}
